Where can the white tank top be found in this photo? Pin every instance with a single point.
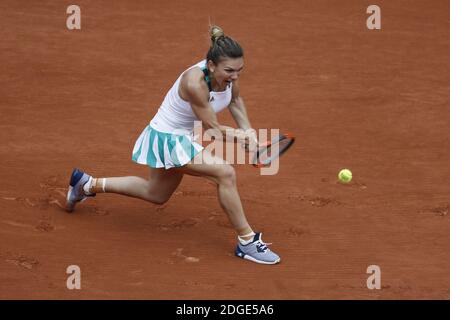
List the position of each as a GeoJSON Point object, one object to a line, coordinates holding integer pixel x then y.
{"type": "Point", "coordinates": [175, 115]}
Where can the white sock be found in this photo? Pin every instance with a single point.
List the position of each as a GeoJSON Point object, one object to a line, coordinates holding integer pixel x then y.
{"type": "Point", "coordinates": [245, 242]}
{"type": "Point", "coordinates": [87, 186]}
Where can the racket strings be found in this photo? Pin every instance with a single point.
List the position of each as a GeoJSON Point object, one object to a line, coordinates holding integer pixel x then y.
{"type": "Point", "coordinates": [274, 150]}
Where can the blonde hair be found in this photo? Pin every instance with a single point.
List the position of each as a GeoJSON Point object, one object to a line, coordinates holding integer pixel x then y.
{"type": "Point", "coordinates": [215, 33]}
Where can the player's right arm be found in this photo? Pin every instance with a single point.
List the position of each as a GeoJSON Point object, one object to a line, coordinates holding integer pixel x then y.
{"type": "Point", "coordinates": [194, 89]}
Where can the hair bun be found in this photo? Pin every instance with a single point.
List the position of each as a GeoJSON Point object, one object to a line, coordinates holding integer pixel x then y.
{"type": "Point", "coordinates": [216, 32]}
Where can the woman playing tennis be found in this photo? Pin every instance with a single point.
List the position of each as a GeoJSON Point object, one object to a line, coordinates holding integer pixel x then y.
{"type": "Point", "coordinates": [167, 146]}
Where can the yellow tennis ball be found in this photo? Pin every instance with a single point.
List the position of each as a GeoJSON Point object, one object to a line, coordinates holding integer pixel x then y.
{"type": "Point", "coordinates": [345, 176]}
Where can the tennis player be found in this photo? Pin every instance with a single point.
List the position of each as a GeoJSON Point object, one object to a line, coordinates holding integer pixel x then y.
{"type": "Point", "coordinates": [168, 148]}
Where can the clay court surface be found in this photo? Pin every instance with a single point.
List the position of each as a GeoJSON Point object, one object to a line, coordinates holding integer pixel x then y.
{"type": "Point", "coordinates": [376, 102]}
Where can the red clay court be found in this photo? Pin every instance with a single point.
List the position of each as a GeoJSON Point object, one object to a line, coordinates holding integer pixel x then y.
{"type": "Point", "coordinates": [373, 101]}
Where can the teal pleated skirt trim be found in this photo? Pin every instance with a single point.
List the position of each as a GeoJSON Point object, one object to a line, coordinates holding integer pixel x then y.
{"type": "Point", "coordinates": [164, 150]}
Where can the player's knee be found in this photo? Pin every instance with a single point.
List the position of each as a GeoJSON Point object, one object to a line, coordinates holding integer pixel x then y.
{"type": "Point", "coordinates": [160, 200]}
{"type": "Point", "coordinates": [228, 175]}
{"type": "Point", "coordinates": [155, 197]}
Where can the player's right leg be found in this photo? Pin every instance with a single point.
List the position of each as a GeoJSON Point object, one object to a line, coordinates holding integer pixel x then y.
{"type": "Point", "coordinates": [250, 245]}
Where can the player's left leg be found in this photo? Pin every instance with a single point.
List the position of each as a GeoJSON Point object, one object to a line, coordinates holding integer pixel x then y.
{"type": "Point", "coordinates": [157, 189]}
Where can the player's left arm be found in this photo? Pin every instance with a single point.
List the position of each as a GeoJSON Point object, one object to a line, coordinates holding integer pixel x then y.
{"type": "Point", "coordinates": [237, 108]}
{"type": "Point", "coordinates": [239, 113]}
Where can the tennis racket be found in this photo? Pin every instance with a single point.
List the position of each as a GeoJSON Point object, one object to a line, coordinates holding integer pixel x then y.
{"type": "Point", "coordinates": [271, 150]}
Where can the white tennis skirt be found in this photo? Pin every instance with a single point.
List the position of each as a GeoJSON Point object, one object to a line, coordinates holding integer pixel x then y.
{"type": "Point", "coordinates": [164, 150]}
